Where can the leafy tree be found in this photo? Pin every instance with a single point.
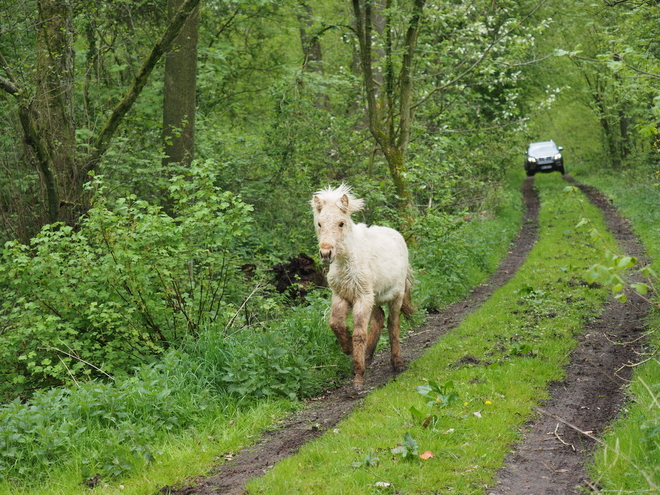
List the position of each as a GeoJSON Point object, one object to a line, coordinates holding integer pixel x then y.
{"type": "Point", "coordinates": [45, 104]}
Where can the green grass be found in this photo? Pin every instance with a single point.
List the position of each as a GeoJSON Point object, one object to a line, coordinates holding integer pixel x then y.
{"type": "Point", "coordinates": [163, 423]}
{"type": "Point", "coordinates": [177, 456]}
{"type": "Point", "coordinates": [523, 336]}
{"type": "Point", "coordinates": [452, 259]}
{"type": "Point", "coordinates": [631, 461]}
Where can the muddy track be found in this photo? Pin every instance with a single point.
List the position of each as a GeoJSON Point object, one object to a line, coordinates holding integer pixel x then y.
{"type": "Point", "coordinates": [550, 459]}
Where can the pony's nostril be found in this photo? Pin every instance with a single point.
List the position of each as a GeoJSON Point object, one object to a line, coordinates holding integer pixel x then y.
{"type": "Point", "coordinates": [325, 250]}
{"type": "Point", "coordinates": [326, 254]}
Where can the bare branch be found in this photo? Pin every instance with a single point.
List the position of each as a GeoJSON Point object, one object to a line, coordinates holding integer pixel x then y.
{"type": "Point", "coordinates": [73, 356]}
{"type": "Point", "coordinates": [602, 444]}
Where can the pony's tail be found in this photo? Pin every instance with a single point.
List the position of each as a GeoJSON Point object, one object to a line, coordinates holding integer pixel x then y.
{"type": "Point", "coordinates": [407, 308]}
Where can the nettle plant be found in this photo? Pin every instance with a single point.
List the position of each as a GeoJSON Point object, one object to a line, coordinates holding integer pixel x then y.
{"type": "Point", "coordinates": [125, 285]}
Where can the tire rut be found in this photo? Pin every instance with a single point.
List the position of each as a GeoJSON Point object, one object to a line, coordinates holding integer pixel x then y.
{"type": "Point", "coordinates": [550, 459]}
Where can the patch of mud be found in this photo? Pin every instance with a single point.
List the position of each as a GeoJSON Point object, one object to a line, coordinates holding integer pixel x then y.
{"type": "Point", "coordinates": [550, 460]}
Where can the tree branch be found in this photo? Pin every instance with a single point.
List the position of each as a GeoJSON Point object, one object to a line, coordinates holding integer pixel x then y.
{"type": "Point", "coordinates": [363, 29]}
{"type": "Point", "coordinates": [103, 140]}
{"type": "Point", "coordinates": [9, 87]}
{"type": "Point", "coordinates": [405, 107]}
{"type": "Point", "coordinates": [8, 84]}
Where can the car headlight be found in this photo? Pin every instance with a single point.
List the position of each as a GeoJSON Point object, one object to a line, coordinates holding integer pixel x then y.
{"type": "Point", "coordinates": [557, 156]}
{"type": "Point", "coordinates": [531, 160]}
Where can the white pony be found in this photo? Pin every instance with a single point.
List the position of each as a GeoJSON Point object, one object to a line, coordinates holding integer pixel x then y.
{"type": "Point", "coordinates": [368, 268]}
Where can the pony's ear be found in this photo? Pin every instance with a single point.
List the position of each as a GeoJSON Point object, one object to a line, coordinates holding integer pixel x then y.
{"type": "Point", "coordinates": [317, 204]}
{"type": "Point", "coordinates": [349, 204]}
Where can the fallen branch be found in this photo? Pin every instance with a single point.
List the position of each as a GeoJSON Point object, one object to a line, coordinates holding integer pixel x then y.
{"type": "Point", "coordinates": [603, 444]}
{"type": "Point", "coordinates": [233, 318]}
{"type": "Point", "coordinates": [73, 356]}
{"type": "Point", "coordinates": [562, 440]}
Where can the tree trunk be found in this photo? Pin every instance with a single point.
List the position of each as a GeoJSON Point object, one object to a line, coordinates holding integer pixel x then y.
{"type": "Point", "coordinates": [179, 104]}
{"type": "Point", "coordinates": [49, 123]}
{"type": "Point", "coordinates": [103, 140]}
{"type": "Point", "coordinates": [47, 118]}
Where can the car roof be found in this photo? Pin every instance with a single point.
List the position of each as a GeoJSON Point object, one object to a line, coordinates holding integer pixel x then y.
{"type": "Point", "coordinates": [544, 147]}
{"type": "Point", "coordinates": [542, 144]}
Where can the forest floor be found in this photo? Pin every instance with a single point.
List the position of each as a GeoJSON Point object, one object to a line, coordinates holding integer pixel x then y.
{"type": "Point", "coordinates": [550, 458]}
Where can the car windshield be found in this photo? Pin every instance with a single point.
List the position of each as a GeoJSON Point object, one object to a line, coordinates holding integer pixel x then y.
{"type": "Point", "coordinates": [543, 149]}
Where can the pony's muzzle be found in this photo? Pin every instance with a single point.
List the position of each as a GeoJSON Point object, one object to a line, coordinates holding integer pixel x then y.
{"type": "Point", "coordinates": [327, 253]}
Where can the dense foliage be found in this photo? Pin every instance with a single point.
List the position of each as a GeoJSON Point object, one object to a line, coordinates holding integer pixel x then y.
{"type": "Point", "coordinates": [129, 283]}
{"type": "Point", "coordinates": [150, 253]}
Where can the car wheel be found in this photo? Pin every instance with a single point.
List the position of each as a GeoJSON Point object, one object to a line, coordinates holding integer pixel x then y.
{"type": "Point", "coordinates": [529, 173]}
{"type": "Point", "coordinates": [561, 169]}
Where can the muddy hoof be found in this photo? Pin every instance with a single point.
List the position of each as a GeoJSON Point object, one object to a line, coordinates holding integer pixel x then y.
{"type": "Point", "coordinates": [398, 365]}
{"type": "Point", "coordinates": [358, 384]}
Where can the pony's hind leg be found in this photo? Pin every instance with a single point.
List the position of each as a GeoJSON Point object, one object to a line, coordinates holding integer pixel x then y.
{"type": "Point", "coordinates": [375, 328]}
{"type": "Point", "coordinates": [394, 328]}
{"type": "Point", "coordinates": [338, 314]}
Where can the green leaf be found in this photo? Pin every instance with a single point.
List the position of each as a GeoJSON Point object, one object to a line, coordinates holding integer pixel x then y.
{"type": "Point", "coordinates": [410, 443]}
{"type": "Point", "coordinates": [641, 288]}
{"type": "Point", "coordinates": [582, 222]}
{"type": "Point", "coordinates": [648, 272]}
{"type": "Point", "coordinates": [416, 413]}
{"type": "Point", "coordinates": [626, 262]}
{"type": "Point", "coordinates": [621, 297]}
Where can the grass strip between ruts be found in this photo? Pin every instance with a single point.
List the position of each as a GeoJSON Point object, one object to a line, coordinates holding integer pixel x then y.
{"type": "Point", "coordinates": [515, 344]}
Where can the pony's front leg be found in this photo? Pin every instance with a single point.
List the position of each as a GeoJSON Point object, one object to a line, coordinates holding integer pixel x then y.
{"type": "Point", "coordinates": [338, 314]}
{"type": "Point", "coordinates": [394, 328]}
{"type": "Point", "coordinates": [361, 312]}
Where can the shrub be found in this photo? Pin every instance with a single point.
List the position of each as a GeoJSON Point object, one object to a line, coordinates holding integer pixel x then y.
{"type": "Point", "coordinates": [123, 287]}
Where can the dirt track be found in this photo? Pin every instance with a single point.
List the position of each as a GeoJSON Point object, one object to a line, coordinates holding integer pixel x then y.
{"type": "Point", "coordinates": [551, 457]}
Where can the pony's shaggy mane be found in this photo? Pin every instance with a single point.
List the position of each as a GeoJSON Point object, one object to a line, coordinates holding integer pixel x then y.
{"type": "Point", "coordinates": [333, 197]}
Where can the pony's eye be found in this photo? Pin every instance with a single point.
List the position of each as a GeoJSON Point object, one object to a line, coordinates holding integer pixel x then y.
{"type": "Point", "coordinates": [341, 224]}
{"type": "Point", "coordinates": [319, 224]}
